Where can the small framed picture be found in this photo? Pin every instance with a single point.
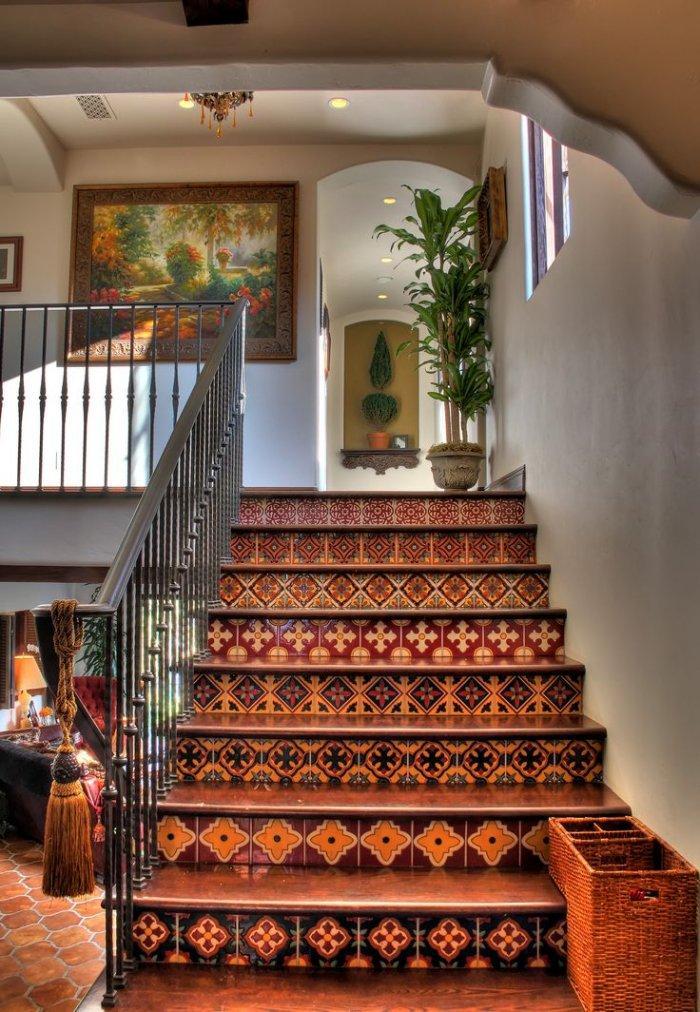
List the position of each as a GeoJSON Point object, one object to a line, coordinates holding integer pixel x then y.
{"type": "Point", "coordinates": [11, 263]}
{"type": "Point", "coordinates": [400, 442]}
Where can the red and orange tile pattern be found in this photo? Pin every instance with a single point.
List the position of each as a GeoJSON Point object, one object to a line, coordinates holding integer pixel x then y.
{"type": "Point", "coordinates": [51, 950]}
{"type": "Point", "coordinates": [408, 761]}
{"type": "Point", "coordinates": [385, 637]}
{"type": "Point", "coordinates": [506, 941]}
{"type": "Point", "coordinates": [346, 842]}
{"type": "Point", "coordinates": [390, 588]}
{"type": "Point", "coordinates": [373, 510]}
{"type": "Point", "coordinates": [390, 692]}
{"type": "Point", "coordinates": [396, 547]}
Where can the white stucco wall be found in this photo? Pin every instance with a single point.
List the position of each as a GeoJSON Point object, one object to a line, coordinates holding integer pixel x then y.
{"type": "Point", "coordinates": [281, 422]}
{"type": "Point", "coordinates": [597, 392]}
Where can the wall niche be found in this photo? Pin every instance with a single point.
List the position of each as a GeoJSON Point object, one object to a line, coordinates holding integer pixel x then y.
{"type": "Point", "coordinates": [360, 339]}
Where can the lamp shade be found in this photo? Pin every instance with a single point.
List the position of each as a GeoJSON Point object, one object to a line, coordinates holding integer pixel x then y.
{"type": "Point", "coordinates": [27, 673]}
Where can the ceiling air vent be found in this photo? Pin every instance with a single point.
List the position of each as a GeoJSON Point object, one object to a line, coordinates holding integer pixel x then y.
{"type": "Point", "coordinates": [95, 106]}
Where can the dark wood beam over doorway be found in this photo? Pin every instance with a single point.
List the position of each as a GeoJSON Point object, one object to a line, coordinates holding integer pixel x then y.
{"type": "Point", "coordinates": [215, 12]}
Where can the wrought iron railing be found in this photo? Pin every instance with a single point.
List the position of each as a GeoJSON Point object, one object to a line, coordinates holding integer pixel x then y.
{"type": "Point", "coordinates": [154, 604]}
{"type": "Point", "coordinates": [89, 393]}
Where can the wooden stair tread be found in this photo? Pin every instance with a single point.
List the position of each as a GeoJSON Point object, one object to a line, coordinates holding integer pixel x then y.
{"type": "Point", "coordinates": [370, 725]}
{"type": "Point", "coordinates": [268, 888]}
{"type": "Point", "coordinates": [384, 528]}
{"type": "Point", "coordinates": [381, 567]}
{"type": "Point", "coordinates": [389, 613]}
{"type": "Point", "coordinates": [213, 988]}
{"type": "Point", "coordinates": [388, 800]}
{"type": "Point", "coordinates": [342, 665]}
{"type": "Point", "coordinates": [433, 493]}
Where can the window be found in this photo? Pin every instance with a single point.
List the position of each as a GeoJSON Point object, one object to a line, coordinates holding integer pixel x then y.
{"type": "Point", "coordinates": [547, 185]}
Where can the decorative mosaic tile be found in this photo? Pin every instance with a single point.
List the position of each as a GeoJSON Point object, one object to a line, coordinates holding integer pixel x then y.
{"type": "Point", "coordinates": [396, 639]}
{"type": "Point", "coordinates": [352, 511]}
{"type": "Point", "coordinates": [382, 547]}
{"type": "Point", "coordinates": [387, 693]}
{"type": "Point", "coordinates": [408, 761]}
{"type": "Point", "coordinates": [389, 589]}
{"type": "Point", "coordinates": [504, 941]}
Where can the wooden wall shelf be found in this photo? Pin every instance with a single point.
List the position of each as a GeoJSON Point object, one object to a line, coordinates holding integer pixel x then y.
{"type": "Point", "coordinates": [380, 461]}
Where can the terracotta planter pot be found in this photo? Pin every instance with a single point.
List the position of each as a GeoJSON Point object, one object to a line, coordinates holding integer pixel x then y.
{"type": "Point", "coordinates": [378, 440]}
{"type": "Point", "coordinates": [456, 468]}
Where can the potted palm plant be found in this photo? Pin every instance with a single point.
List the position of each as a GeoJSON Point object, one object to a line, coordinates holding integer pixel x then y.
{"type": "Point", "coordinates": [449, 296]}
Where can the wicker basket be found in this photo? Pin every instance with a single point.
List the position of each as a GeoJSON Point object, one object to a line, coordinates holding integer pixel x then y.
{"type": "Point", "coordinates": [631, 913]}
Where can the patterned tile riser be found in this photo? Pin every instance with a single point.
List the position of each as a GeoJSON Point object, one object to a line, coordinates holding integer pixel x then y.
{"type": "Point", "coordinates": [505, 941]}
{"type": "Point", "coordinates": [382, 547]}
{"type": "Point", "coordinates": [395, 639]}
{"type": "Point", "coordinates": [398, 589]}
{"type": "Point", "coordinates": [345, 842]}
{"type": "Point", "coordinates": [358, 761]}
{"type": "Point", "coordinates": [291, 692]}
{"type": "Point", "coordinates": [340, 511]}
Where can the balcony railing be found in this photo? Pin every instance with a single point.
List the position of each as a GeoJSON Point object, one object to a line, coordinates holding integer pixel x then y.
{"type": "Point", "coordinates": [89, 393]}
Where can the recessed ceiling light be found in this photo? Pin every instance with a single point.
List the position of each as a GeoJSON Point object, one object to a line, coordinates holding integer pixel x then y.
{"type": "Point", "coordinates": [387, 260]}
{"type": "Point", "coordinates": [384, 279]}
{"type": "Point", "coordinates": [382, 295]}
{"type": "Point", "coordinates": [339, 103]}
{"type": "Point", "coordinates": [186, 102]}
{"type": "Point", "coordinates": [390, 200]}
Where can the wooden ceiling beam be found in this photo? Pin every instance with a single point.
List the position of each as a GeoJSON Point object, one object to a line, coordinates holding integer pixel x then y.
{"type": "Point", "coordinates": [215, 12]}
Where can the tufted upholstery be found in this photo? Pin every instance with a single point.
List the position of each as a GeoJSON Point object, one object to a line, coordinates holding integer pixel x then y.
{"type": "Point", "coordinates": [90, 689]}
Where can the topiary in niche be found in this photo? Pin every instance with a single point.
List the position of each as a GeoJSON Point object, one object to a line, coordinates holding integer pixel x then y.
{"type": "Point", "coordinates": [380, 409]}
{"type": "Point", "coordinates": [380, 369]}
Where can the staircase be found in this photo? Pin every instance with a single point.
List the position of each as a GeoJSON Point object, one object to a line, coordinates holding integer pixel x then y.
{"type": "Point", "coordinates": [385, 721]}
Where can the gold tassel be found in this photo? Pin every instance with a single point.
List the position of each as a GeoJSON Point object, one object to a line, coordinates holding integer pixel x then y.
{"type": "Point", "coordinates": [68, 868]}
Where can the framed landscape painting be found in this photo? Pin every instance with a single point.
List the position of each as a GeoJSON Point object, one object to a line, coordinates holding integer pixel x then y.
{"type": "Point", "coordinates": [182, 244]}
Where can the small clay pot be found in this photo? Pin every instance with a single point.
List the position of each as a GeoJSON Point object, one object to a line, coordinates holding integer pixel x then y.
{"type": "Point", "coordinates": [378, 440]}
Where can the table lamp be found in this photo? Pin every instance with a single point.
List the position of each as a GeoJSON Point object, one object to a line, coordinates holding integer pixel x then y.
{"type": "Point", "coordinates": [28, 678]}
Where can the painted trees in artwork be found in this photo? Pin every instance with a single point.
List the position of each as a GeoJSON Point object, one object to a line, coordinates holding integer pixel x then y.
{"type": "Point", "coordinates": [215, 252]}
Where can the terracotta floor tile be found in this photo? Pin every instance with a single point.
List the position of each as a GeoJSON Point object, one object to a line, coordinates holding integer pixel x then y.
{"type": "Point", "coordinates": [30, 933]}
{"type": "Point", "coordinates": [19, 919]}
{"type": "Point", "coordinates": [48, 994]}
{"type": "Point", "coordinates": [49, 905]}
{"type": "Point", "coordinates": [69, 936]}
{"type": "Point", "coordinates": [67, 1005]}
{"type": "Point", "coordinates": [44, 970]}
{"type": "Point", "coordinates": [62, 919]}
{"type": "Point", "coordinates": [89, 906]}
{"type": "Point", "coordinates": [13, 987]}
{"type": "Point", "coordinates": [6, 947]}
{"type": "Point", "coordinates": [9, 968]}
{"type": "Point", "coordinates": [87, 973]}
{"type": "Point", "coordinates": [38, 950]}
{"type": "Point", "coordinates": [11, 891]}
{"type": "Point", "coordinates": [76, 954]}
{"type": "Point", "coordinates": [18, 1005]}
{"type": "Point", "coordinates": [18, 903]}
{"type": "Point", "coordinates": [95, 923]}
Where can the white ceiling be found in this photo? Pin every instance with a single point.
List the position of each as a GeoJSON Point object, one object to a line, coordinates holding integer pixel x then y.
{"type": "Point", "coordinates": [280, 117]}
{"type": "Point", "coordinates": [350, 207]}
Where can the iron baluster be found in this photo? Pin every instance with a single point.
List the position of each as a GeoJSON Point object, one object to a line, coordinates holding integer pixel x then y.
{"type": "Point", "coordinates": [130, 398]}
{"type": "Point", "coordinates": [108, 396]}
{"type": "Point", "coordinates": [42, 396]}
{"type": "Point", "coordinates": [21, 396]}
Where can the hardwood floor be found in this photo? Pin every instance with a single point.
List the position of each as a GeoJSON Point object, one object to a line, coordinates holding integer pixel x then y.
{"type": "Point", "coordinates": [215, 989]}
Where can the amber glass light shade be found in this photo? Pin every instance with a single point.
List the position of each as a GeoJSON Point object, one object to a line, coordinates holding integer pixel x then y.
{"type": "Point", "coordinates": [27, 673]}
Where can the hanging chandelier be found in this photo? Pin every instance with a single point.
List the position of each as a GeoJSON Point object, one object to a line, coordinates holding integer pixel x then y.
{"type": "Point", "coordinates": [217, 106]}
